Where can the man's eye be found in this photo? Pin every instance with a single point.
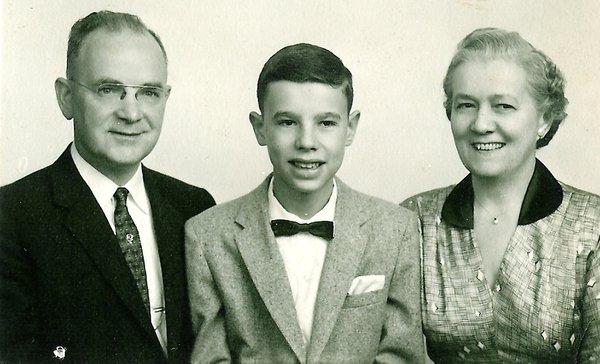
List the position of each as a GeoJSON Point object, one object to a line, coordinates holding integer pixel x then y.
{"type": "Point", "coordinates": [150, 92]}
{"type": "Point", "coordinates": [109, 89]}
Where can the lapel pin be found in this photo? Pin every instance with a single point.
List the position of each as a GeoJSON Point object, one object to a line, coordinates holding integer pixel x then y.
{"type": "Point", "coordinates": [60, 352]}
{"type": "Point", "coordinates": [129, 238]}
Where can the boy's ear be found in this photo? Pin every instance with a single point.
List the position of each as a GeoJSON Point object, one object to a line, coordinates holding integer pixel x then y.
{"type": "Point", "coordinates": [352, 125]}
{"type": "Point", "coordinates": [64, 96]}
{"type": "Point", "coordinates": [258, 126]}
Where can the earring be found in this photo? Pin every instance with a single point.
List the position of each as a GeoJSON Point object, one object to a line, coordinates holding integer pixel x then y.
{"type": "Point", "coordinates": [542, 132]}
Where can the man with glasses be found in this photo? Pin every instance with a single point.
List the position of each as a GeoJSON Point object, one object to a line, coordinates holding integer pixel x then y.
{"type": "Point", "coordinates": [91, 247]}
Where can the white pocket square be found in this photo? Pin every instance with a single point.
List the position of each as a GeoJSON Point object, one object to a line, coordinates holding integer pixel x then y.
{"type": "Point", "coordinates": [364, 284]}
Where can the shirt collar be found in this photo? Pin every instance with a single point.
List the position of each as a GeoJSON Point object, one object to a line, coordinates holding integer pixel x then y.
{"type": "Point", "coordinates": [543, 196]}
{"type": "Point", "coordinates": [104, 188]}
{"type": "Point", "coordinates": [277, 211]}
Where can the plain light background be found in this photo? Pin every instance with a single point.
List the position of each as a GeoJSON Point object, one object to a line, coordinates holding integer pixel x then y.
{"type": "Point", "coordinates": [398, 52]}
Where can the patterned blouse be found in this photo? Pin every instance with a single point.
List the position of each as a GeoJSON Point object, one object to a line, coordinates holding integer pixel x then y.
{"type": "Point", "coordinates": [545, 304]}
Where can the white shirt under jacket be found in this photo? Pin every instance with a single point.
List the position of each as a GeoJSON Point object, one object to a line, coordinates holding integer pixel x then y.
{"type": "Point", "coordinates": [303, 255]}
{"type": "Point", "coordinates": [138, 206]}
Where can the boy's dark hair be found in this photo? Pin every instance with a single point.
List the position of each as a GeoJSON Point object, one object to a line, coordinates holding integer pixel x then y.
{"type": "Point", "coordinates": [108, 20]}
{"type": "Point", "coordinates": [305, 62]}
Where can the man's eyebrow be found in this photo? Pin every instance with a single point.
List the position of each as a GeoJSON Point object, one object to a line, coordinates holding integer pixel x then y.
{"type": "Point", "coordinates": [117, 82]}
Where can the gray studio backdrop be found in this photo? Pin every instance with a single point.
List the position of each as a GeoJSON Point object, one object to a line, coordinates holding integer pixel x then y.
{"type": "Point", "coordinates": [397, 50]}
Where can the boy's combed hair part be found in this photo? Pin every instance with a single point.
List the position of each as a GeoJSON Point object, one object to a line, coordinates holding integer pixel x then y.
{"type": "Point", "coordinates": [545, 82]}
{"type": "Point", "coordinates": [305, 62]}
{"type": "Point", "coordinates": [108, 20]}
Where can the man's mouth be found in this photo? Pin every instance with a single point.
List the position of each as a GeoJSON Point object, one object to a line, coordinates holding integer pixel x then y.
{"type": "Point", "coordinates": [487, 146]}
{"type": "Point", "coordinates": [127, 134]}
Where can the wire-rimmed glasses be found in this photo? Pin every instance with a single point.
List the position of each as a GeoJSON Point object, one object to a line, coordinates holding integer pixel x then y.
{"type": "Point", "coordinates": [113, 93]}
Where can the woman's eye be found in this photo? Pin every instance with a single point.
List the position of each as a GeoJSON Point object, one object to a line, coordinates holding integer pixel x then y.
{"type": "Point", "coordinates": [506, 106]}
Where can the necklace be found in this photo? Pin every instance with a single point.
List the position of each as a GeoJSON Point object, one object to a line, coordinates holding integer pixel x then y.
{"type": "Point", "coordinates": [495, 218]}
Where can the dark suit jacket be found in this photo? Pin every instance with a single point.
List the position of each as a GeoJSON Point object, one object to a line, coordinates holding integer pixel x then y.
{"type": "Point", "coordinates": [241, 301]}
{"type": "Point", "coordinates": [64, 281]}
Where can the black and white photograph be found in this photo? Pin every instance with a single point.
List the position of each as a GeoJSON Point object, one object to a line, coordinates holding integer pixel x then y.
{"type": "Point", "coordinates": [299, 181]}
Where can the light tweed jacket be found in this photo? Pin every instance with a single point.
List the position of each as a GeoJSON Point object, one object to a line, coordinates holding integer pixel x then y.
{"type": "Point", "coordinates": [241, 301]}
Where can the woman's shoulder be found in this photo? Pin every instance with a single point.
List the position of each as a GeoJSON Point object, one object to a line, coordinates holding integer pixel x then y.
{"type": "Point", "coordinates": [590, 197]}
{"type": "Point", "coordinates": [585, 204]}
{"type": "Point", "coordinates": [579, 197]}
{"type": "Point", "coordinates": [428, 202]}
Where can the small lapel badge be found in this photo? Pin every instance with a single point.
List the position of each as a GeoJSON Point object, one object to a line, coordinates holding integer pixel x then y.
{"type": "Point", "coordinates": [129, 238]}
{"type": "Point", "coordinates": [60, 352]}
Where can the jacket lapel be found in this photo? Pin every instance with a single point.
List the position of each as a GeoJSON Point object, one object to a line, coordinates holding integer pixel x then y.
{"type": "Point", "coordinates": [168, 231]}
{"type": "Point", "coordinates": [86, 221]}
{"type": "Point", "coordinates": [343, 256]}
{"type": "Point", "coordinates": [260, 253]}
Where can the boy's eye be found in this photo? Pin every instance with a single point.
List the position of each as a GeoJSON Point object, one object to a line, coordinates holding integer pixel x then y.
{"type": "Point", "coordinates": [465, 105]}
{"type": "Point", "coordinates": [329, 123]}
{"type": "Point", "coordinates": [285, 122]}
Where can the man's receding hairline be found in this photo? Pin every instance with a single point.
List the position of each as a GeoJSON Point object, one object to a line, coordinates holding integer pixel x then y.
{"type": "Point", "coordinates": [86, 40]}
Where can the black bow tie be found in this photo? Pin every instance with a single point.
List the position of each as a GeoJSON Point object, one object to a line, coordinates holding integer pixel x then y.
{"type": "Point", "coordinates": [322, 229]}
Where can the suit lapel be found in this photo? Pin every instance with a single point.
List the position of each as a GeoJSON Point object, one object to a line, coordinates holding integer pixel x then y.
{"type": "Point", "coordinates": [168, 230]}
{"type": "Point", "coordinates": [343, 256]}
{"type": "Point", "coordinates": [260, 253]}
{"type": "Point", "coordinates": [86, 221]}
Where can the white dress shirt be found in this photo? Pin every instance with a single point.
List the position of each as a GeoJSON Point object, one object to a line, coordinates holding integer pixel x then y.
{"type": "Point", "coordinates": [138, 206]}
{"type": "Point", "coordinates": [303, 256]}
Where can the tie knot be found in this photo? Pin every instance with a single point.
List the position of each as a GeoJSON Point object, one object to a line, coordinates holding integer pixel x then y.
{"type": "Point", "coordinates": [121, 196]}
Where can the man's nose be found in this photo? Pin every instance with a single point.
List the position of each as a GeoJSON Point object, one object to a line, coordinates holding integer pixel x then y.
{"type": "Point", "coordinates": [130, 109]}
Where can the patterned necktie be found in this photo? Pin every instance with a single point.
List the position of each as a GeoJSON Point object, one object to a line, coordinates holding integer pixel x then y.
{"type": "Point", "coordinates": [131, 246]}
{"type": "Point", "coordinates": [322, 229]}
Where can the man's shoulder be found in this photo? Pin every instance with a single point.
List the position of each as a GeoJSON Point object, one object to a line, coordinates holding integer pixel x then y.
{"type": "Point", "coordinates": [32, 187]}
{"type": "Point", "coordinates": [184, 195]}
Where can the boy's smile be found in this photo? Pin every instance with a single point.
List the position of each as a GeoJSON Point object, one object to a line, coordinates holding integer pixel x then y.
{"type": "Point", "coordinates": [306, 128]}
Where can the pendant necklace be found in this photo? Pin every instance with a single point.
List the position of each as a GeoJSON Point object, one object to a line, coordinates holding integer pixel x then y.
{"type": "Point", "coordinates": [495, 218]}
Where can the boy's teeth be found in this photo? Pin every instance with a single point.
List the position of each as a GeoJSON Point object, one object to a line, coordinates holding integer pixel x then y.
{"type": "Point", "coordinates": [488, 146]}
{"type": "Point", "coordinates": [312, 165]}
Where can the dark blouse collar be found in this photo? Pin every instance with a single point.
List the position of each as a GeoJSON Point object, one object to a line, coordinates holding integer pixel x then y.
{"type": "Point", "coordinates": [544, 195]}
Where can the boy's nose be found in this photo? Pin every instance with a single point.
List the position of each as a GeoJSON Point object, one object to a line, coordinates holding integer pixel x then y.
{"type": "Point", "coordinates": [306, 138]}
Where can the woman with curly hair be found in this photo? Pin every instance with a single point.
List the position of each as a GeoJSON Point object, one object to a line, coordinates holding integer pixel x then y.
{"type": "Point", "coordinates": [511, 256]}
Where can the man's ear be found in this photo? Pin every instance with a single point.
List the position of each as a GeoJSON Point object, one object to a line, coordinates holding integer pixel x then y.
{"type": "Point", "coordinates": [258, 125]}
{"type": "Point", "coordinates": [64, 96]}
{"type": "Point", "coordinates": [352, 125]}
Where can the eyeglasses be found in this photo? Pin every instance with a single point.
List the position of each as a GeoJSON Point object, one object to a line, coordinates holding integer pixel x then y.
{"type": "Point", "coordinates": [112, 93]}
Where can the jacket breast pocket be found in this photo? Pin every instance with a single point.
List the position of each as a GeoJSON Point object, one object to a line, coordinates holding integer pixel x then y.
{"type": "Point", "coordinates": [365, 299]}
